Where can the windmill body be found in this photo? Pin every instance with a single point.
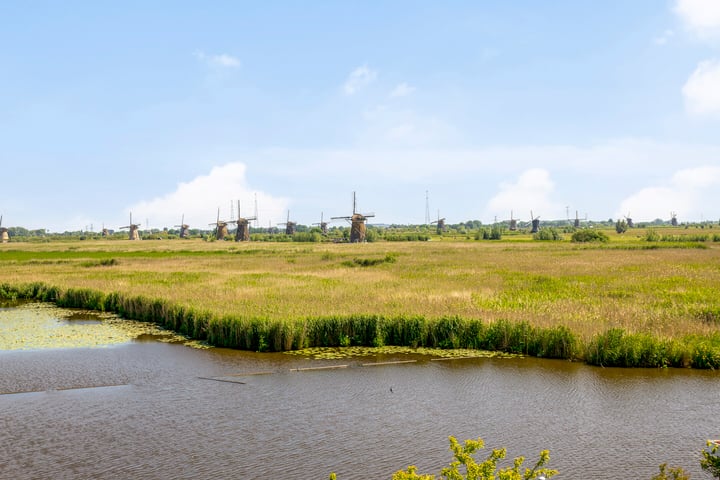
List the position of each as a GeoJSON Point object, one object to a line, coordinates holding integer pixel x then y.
{"type": "Point", "coordinates": [535, 223]}
{"type": "Point", "coordinates": [4, 237]}
{"type": "Point", "coordinates": [576, 224]}
{"type": "Point", "coordinates": [513, 222]}
{"type": "Point", "coordinates": [184, 228]}
{"type": "Point", "coordinates": [440, 225]}
{"type": "Point", "coordinates": [221, 227]}
{"type": "Point", "coordinates": [358, 230]}
{"type": "Point", "coordinates": [323, 225]}
{"type": "Point", "coordinates": [629, 221]}
{"type": "Point", "coordinates": [134, 230]}
{"type": "Point", "coordinates": [673, 219]}
{"type": "Point", "coordinates": [289, 226]}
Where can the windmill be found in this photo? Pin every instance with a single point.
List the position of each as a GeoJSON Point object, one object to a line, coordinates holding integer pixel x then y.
{"type": "Point", "coordinates": [440, 224]}
{"type": "Point", "coordinates": [576, 224]}
{"type": "Point", "coordinates": [105, 231]}
{"type": "Point", "coordinates": [323, 225]}
{"type": "Point", "coordinates": [184, 229]}
{"type": "Point", "coordinates": [134, 233]}
{"type": "Point", "coordinates": [4, 237]}
{"type": "Point", "coordinates": [513, 222]}
{"type": "Point", "coordinates": [673, 219]}
{"type": "Point", "coordinates": [242, 234]}
{"type": "Point", "coordinates": [289, 226]}
{"type": "Point", "coordinates": [221, 230]}
{"type": "Point", "coordinates": [629, 221]}
{"type": "Point", "coordinates": [535, 223]}
{"type": "Point", "coordinates": [357, 223]}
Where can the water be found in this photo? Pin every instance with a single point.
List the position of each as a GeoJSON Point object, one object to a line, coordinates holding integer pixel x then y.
{"type": "Point", "coordinates": [155, 410]}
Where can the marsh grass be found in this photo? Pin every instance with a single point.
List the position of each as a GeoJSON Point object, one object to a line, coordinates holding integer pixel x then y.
{"type": "Point", "coordinates": [551, 299]}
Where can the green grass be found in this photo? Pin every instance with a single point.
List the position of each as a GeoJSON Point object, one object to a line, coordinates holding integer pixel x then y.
{"type": "Point", "coordinates": [513, 295]}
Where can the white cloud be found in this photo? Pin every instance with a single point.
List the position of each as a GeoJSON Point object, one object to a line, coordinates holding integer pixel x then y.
{"type": "Point", "coordinates": [701, 16]}
{"type": "Point", "coordinates": [402, 90]}
{"type": "Point", "coordinates": [690, 192]}
{"type": "Point", "coordinates": [221, 61]}
{"type": "Point", "coordinates": [532, 191]}
{"type": "Point", "coordinates": [358, 79]}
{"type": "Point", "coordinates": [702, 89]}
{"type": "Point", "coordinates": [199, 199]}
{"type": "Point", "coordinates": [664, 38]}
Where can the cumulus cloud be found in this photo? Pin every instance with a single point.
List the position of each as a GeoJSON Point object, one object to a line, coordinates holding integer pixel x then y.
{"type": "Point", "coordinates": [358, 79]}
{"type": "Point", "coordinates": [402, 90]}
{"type": "Point", "coordinates": [700, 16]}
{"type": "Point", "coordinates": [532, 191]}
{"type": "Point", "coordinates": [689, 192]}
{"type": "Point", "coordinates": [222, 60]}
{"type": "Point", "coordinates": [199, 199]}
{"type": "Point", "coordinates": [702, 90]}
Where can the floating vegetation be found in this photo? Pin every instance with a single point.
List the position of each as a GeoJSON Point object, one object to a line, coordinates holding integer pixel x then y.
{"type": "Point", "coordinates": [337, 353]}
{"type": "Point", "coordinates": [35, 326]}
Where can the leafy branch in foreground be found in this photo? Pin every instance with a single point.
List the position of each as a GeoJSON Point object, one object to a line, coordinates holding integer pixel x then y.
{"type": "Point", "coordinates": [465, 467]}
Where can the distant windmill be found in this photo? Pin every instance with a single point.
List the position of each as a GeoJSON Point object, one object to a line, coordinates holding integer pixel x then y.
{"type": "Point", "coordinates": [242, 234]}
{"type": "Point", "coordinates": [105, 231]}
{"type": "Point", "coordinates": [357, 223]}
{"type": "Point", "coordinates": [513, 222]}
{"type": "Point", "coordinates": [221, 230]}
{"type": "Point", "coordinates": [576, 224]}
{"type": "Point", "coordinates": [184, 229]}
{"type": "Point", "coordinates": [629, 221]}
{"type": "Point", "coordinates": [4, 237]}
{"type": "Point", "coordinates": [134, 233]}
{"type": "Point", "coordinates": [440, 224]}
{"type": "Point", "coordinates": [673, 219]}
{"type": "Point", "coordinates": [289, 226]}
{"type": "Point", "coordinates": [535, 223]}
{"type": "Point", "coordinates": [323, 225]}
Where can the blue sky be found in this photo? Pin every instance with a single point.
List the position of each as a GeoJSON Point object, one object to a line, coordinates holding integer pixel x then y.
{"type": "Point", "coordinates": [180, 108]}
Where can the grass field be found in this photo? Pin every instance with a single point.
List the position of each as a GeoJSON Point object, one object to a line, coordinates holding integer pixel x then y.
{"type": "Point", "coordinates": [664, 290]}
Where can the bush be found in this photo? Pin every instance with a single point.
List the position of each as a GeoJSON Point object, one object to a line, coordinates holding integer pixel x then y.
{"type": "Point", "coordinates": [587, 235]}
{"type": "Point", "coordinates": [547, 234]}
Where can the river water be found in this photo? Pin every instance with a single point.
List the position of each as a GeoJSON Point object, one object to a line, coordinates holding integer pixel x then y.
{"type": "Point", "coordinates": [146, 409]}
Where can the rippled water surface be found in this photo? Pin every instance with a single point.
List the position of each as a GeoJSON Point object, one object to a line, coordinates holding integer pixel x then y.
{"type": "Point", "coordinates": [152, 410]}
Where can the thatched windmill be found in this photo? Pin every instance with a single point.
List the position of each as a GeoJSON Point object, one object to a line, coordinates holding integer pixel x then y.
{"type": "Point", "coordinates": [105, 231]}
{"type": "Point", "coordinates": [357, 223]}
{"type": "Point", "coordinates": [513, 222]}
{"type": "Point", "coordinates": [673, 219]}
{"type": "Point", "coordinates": [134, 233]}
{"type": "Point", "coordinates": [576, 224]}
{"type": "Point", "coordinates": [535, 223]}
{"type": "Point", "coordinates": [440, 224]}
{"type": "Point", "coordinates": [629, 221]}
{"type": "Point", "coordinates": [221, 230]}
{"type": "Point", "coordinates": [242, 234]}
{"type": "Point", "coordinates": [184, 228]}
{"type": "Point", "coordinates": [323, 225]}
{"type": "Point", "coordinates": [4, 237]}
{"type": "Point", "coordinates": [289, 226]}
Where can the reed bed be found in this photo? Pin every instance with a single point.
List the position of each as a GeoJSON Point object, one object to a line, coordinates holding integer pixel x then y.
{"type": "Point", "coordinates": [652, 307]}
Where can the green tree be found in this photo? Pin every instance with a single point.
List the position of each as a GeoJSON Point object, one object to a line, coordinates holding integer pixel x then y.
{"type": "Point", "coordinates": [621, 226]}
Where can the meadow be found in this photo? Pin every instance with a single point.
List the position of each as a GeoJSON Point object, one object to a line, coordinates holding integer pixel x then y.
{"type": "Point", "coordinates": [626, 302]}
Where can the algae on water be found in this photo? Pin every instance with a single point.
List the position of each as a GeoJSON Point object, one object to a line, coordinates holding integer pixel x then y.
{"type": "Point", "coordinates": [35, 326]}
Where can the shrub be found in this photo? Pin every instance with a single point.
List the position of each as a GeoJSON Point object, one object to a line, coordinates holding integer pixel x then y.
{"type": "Point", "coordinates": [547, 234]}
{"type": "Point", "coordinates": [587, 235]}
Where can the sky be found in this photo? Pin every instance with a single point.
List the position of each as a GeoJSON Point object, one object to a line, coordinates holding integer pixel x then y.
{"type": "Point", "coordinates": [469, 110]}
